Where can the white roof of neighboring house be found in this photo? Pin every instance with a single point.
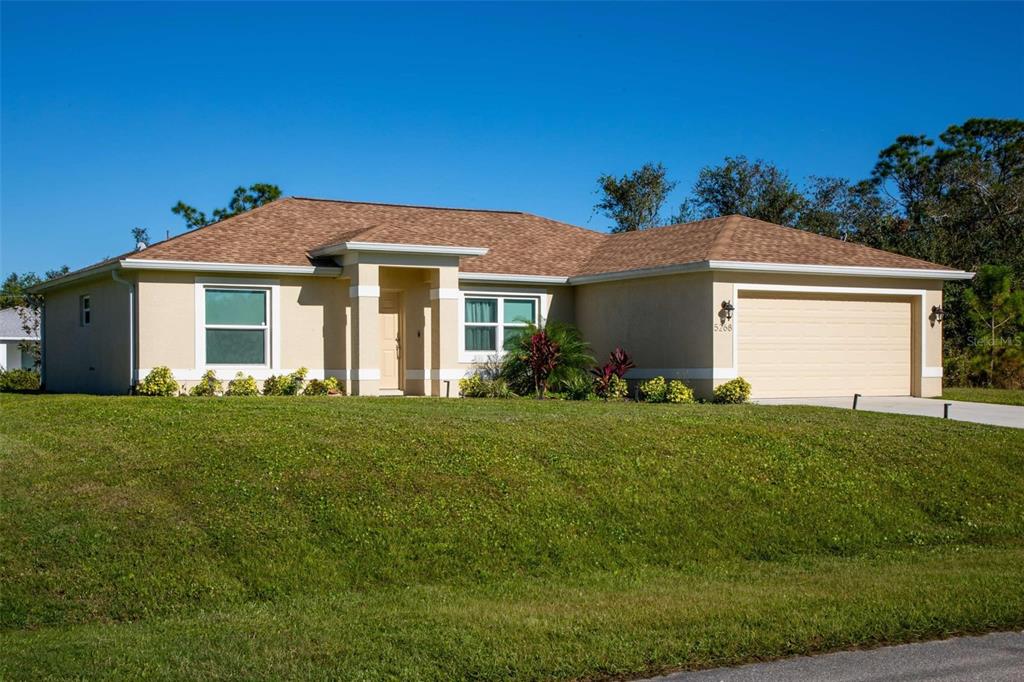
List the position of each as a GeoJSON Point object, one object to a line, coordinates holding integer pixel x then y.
{"type": "Point", "coordinates": [12, 328]}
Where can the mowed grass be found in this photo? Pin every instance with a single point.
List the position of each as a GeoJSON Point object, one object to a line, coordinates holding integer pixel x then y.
{"type": "Point", "coordinates": [432, 539]}
{"type": "Point", "coordinates": [1001, 396]}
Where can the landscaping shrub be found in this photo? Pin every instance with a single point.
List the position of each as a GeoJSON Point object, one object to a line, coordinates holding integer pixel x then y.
{"type": "Point", "coordinates": [577, 386]}
{"type": "Point", "coordinates": [328, 386]}
{"type": "Point", "coordinates": [678, 392]}
{"type": "Point", "coordinates": [274, 385]}
{"type": "Point", "coordinates": [477, 386]}
{"type": "Point", "coordinates": [242, 385]}
{"type": "Point", "coordinates": [19, 381]}
{"type": "Point", "coordinates": [617, 389]}
{"type": "Point", "coordinates": [654, 390]}
{"type": "Point", "coordinates": [294, 382]}
{"type": "Point", "coordinates": [334, 387]}
{"type": "Point", "coordinates": [159, 382]}
{"type": "Point", "coordinates": [733, 392]}
{"type": "Point", "coordinates": [208, 386]}
{"type": "Point", "coordinates": [618, 364]}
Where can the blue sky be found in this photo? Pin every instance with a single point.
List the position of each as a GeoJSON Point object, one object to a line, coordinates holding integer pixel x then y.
{"type": "Point", "coordinates": [110, 113]}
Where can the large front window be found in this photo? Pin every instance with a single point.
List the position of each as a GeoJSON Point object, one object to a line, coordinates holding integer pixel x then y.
{"type": "Point", "coordinates": [237, 326]}
{"type": "Point", "coordinates": [488, 319]}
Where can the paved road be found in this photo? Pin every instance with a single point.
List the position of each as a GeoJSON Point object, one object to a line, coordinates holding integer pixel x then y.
{"type": "Point", "coordinates": [992, 658]}
{"type": "Point", "coordinates": [982, 413]}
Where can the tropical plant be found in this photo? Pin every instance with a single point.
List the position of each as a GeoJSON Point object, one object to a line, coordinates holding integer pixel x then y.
{"type": "Point", "coordinates": [579, 385]}
{"type": "Point", "coordinates": [618, 364]}
{"type": "Point", "coordinates": [480, 386]}
{"type": "Point", "coordinates": [573, 356]}
{"type": "Point", "coordinates": [316, 387]}
{"type": "Point", "coordinates": [543, 359]}
{"type": "Point", "coordinates": [617, 389]}
{"type": "Point", "coordinates": [159, 382]}
{"type": "Point", "coordinates": [733, 392]}
{"type": "Point", "coordinates": [242, 385]}
{"type": "Point", "coordinates": [334, 387]}
{"type": "Point", "coordinates": [208, 386]}
{"type": "Point", "coordinates": [294, 382]}
{"type": "Point", "coordinates": [274, 385]}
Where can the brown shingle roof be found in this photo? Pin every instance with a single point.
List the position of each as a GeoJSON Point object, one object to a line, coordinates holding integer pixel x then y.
{"type": "Point", "coordinates": [284, 232]}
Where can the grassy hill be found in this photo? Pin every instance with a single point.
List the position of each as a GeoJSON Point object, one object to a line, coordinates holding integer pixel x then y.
{"type": "Point", "coordinates": [325, 538]}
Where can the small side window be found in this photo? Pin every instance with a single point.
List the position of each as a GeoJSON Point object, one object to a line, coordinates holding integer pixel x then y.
{"type": "Point", "coordinates": [84, 311]}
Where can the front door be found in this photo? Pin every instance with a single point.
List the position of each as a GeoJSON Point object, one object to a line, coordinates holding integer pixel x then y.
{"type": "Point", "coordinates": [390, 341]}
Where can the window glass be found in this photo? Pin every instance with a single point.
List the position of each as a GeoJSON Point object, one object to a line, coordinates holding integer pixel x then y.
{"type": "Point", "coordinates": [511, 334]}
{"type": "Point", "coordinates": [481, 338]}
{"type": "Point", "coordinates": [481, 310]}
{"type": "Point", "coordinates": [236, 307]}
{"type": "Point", "coordinates": [519, 311]}
{"type": "Point", "coordinates": [85, 310]}
{"type": "Point", "coordinates": [235, 346]}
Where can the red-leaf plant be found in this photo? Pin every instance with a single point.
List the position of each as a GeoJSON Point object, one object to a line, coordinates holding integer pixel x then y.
{"type": "Point", "coordinates": [618, 364]}
{"type": "Point", "coordinates": [543, 360]}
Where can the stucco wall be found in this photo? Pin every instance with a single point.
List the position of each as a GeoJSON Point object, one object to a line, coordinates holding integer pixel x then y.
{"type": "Point", "coordinates": [312, 325]}
{"type": "Point", "coordinates": [89, 359]}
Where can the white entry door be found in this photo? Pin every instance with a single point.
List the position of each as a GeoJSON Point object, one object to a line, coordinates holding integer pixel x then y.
{"type": "Point", "coordinates": [390, 341]}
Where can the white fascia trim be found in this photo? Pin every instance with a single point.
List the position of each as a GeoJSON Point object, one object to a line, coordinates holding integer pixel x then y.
{"type": "Point", "coordinates": [244, 268]}
{"type": "Point", "coordinates": [701, 266]}
{"type": "Point", "coordinates": [498, 277]}
{"type": "Point", "coordinates": [444, 294]}
{"type": "Point", "coordinates": [364, 291]}
{"type": "Point", "coordinates": [430, 249]}
{"type": "Point", "coordinates": [839, 270]}
{"type": "Point", "coordinates": [225, 373]}
{"type": "Point", "coordinates": [776, 268]}
{"type": "Point", "coordinates": [931, 372]}
{"type": "Point", "coordinates": [683, 373]}
{"type": "Point", "coordinates": [71, 277]}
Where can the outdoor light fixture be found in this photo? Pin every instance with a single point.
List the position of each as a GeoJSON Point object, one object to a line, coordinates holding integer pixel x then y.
{"type": "Point", "coordinates": [938, 312]}
{"type": "Point", "coordinates": [727, 309]}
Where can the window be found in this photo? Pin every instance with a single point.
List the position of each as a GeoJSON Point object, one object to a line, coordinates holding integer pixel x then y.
{"type": "Point", "coordinates": [488, 319]}
{"type": "Point", "coordinates": [237, 329]}
{"type": "Point", "coordinates": [84, 311]}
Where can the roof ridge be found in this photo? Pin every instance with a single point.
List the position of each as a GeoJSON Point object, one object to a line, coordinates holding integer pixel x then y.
{"type": "Point", "coordinates": [422, 206]}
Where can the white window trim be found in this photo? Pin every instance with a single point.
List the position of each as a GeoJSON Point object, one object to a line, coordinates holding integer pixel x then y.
{"type": "Point", "coordinates": [273, 343]}
{"type": "Point", "coordinates": [540, 296]}
{"type": "Point", "coordinates": [84, 306]}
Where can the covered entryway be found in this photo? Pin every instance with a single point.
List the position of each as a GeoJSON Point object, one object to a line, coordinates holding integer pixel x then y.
{"type": "Point", "coordinates": [810, 344]}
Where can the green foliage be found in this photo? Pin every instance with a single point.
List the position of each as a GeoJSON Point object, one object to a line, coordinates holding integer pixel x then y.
{"type": "Point", "coordinates": [274, 385]}
{"type": "Point", "coordinates": [294, 382]}
{"type": "Point", "coordinates": [479, 386]}
{"type": "Point", "coordinates": [733, 392]}
{"type": "Point", "coordinates": [995, 308]}
{"type": "Point", "coordinates": [996, 396]}
{"type": "Point", "coordinates": [140, 235]}
{"type": "Point", "coordinates": [579, 385]}
{"type": "Point", "coordinates": [241, 201]}
{"type": "Point", "coordinates": [756, 189]}
{"type": "Point", "coordinates": [634, 201]}
{"type": "Point", "coordinates": [242, 385]}
{"type": "Point", "coordinates": [208, 386]}
{"type": "Point", "coordinates": [328, 386]}
{"type": "Point", "coordinates": [678, 392]}
{"type": "Point", "coordinates": [573, 356]}
{"type": "Point", "coordinates": [654, 390]}
{"type": "Point", "coordinates": [617, 390]}
{"type": "Point", "coordinates": [159, 382]}
{"type": "Point", "coordinates": [18, 381]}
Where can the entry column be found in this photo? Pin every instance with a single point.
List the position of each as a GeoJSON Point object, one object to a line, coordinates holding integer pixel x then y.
{"type": "Point", "coordinates": [444, 332]}
{"type": "Point", "coordinates": [364, 298]}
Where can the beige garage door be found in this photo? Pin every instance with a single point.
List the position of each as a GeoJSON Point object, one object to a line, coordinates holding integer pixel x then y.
{"type": "Point", "coordinates": [804, 345]}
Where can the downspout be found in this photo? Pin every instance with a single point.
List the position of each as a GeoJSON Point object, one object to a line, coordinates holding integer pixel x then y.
{"type": "Point", "coordinates": [42, 345]}
{"type": "Point", "coordinates": [131, 327]}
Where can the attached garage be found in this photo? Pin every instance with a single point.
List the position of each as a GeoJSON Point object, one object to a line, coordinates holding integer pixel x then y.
{"type": "Point", "coordinates": [812, 344]}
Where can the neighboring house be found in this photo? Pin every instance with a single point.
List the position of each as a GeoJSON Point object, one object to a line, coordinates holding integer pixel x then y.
{"type": "Point", "coordinates": [13, 335]}
{"type": "Point", "coordinates": [406, 299]}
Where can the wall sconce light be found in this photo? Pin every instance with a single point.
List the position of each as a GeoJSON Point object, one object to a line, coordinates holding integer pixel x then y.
{"type": "Point", "coordinates": [938, 313]}
{"type": "Point", "coordinates": [727, 308]}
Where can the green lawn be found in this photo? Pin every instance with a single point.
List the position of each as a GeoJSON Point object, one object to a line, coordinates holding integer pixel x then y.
{"type": "Point", "coordinates": [432, 539]}
{"type": "Point", "coordinates": [1001, 396]}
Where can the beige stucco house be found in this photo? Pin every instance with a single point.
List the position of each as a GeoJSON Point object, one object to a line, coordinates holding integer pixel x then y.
{"type": "Point", "coordinates": [407, 299]}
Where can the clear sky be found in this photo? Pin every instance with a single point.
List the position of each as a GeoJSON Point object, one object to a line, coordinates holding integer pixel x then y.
{"type": "Point", "coordinates": [113, 112]}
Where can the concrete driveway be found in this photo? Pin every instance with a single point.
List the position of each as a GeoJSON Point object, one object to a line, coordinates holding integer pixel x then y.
{"type": "Point", "coordinates": [981, 413]}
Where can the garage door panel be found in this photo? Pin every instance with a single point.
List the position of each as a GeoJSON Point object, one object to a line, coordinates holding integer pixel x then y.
{"type": "Point", "coordinates": [804, 345]}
